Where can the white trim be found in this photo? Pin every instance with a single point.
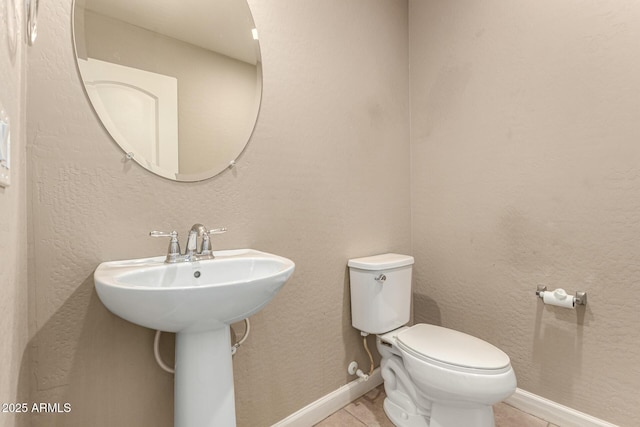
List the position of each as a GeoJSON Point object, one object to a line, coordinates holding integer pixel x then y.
{"type": "Point", "coordinates": [332, 402]}
{"type": "Point", "coordinates": [525, 401]}
{"type": "Point", "coordinates": [553, 412]}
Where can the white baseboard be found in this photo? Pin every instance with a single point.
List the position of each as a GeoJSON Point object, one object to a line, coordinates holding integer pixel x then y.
{"type": "Point", "coordinates": [530, 403]}
{"type": "Point", "coordinates": [553, 412]}
{"type": "Point", "coordinates": [332, 402]}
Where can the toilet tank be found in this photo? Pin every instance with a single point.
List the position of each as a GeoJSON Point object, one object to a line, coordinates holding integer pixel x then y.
{"type": "Point", "coordinates": [380, 292]}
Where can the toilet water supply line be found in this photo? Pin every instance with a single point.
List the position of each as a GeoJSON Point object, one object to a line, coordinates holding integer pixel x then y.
{"type": "Point", "coordinates": [366, 347]}
{"type": "Point", "coordinates": [234, 348]}
{"type": "Point", "coordinates": [353, 366]}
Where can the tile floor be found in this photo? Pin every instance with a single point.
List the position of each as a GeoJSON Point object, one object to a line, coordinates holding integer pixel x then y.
{"type": "Point", "coordinates": [367, 411]}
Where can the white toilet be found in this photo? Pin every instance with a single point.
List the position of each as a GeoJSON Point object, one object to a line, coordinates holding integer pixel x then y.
{"type": "Point", "coordinates": [433, 376]}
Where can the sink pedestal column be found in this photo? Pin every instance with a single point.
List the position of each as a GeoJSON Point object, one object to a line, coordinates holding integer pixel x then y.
{"type": "Point", "coordinates": [204, 395]}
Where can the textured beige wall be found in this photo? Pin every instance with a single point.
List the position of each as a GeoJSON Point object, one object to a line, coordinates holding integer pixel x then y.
{"type": "Point", "coordinates": [324, 178]}
{"type": "Point", "coordinates": [524, 171]}
{"type": "Point", "coordinates": [13, 224]}
{"type": "Point", "coordinates": [525, 139]}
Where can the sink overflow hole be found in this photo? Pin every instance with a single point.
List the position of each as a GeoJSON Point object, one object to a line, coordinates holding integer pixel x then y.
{"type": "Point", "coordinates": [196, 274]}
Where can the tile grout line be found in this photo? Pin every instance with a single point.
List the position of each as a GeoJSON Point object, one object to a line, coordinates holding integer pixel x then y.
{"type": "Point", "coordinates": [358, 419]}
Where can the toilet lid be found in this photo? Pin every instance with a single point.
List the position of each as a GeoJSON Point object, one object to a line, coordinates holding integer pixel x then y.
{"type": "Point", "coordinates": [452, 347]}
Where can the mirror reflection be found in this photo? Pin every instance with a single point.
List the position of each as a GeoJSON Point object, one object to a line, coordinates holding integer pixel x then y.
{"type": "Point", "coordinates": [176, 83]}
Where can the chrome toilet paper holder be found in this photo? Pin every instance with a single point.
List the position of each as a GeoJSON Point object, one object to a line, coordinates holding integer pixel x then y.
{"type": "Point", "coordinates": [579, 299]}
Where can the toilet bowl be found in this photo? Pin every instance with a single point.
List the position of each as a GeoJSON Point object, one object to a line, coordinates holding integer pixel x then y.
{"type": "Point", "coordinates": [433, 376]}
{"type": "Point", "coordinates": [450, 378]}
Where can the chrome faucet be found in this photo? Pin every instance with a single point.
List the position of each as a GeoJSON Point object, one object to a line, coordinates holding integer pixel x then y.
{"type": "Point", "coordinates": [191, 252]}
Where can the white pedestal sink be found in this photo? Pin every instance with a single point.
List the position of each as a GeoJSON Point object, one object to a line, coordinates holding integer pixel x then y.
{"type": "Point", "coordinates": [197, 300]}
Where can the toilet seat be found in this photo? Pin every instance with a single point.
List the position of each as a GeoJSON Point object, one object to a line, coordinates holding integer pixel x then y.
{"type": "Point", "coordinates": [452, 350]}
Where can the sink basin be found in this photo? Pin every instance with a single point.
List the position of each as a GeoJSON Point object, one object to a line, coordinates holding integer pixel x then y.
{"type": "Point", "coordinates": [197, 295]}
{"type": "Point", "coordinates": [197, 300]}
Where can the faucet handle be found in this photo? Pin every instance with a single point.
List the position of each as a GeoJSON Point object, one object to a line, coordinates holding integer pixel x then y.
{"type": "Point", "coordinates": [205, 249]}
{"type": "Point", "coordinates": [218, 230]}
{"type": "Point", "coordinates": [172, 234]}
{"type": "Point", "coordinates": [173, 252]}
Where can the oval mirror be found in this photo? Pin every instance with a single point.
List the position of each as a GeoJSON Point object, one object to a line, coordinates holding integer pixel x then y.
{"type": "Point", "coordinates": [177, 83]}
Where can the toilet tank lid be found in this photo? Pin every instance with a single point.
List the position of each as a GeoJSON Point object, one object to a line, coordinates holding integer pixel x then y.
{"type": "Point", "coordinates": [381, 262]}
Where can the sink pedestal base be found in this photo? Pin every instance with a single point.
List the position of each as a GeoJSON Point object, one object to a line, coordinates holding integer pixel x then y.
{"type": "Point", "coordinates": [204, 395]}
